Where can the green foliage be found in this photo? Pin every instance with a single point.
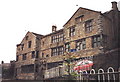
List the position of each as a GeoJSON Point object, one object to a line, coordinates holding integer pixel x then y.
{"type": "Point", "coordinates": [68, 62]}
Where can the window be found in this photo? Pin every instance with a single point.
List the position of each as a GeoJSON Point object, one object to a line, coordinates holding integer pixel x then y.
{"type": "Point", "coordinates": [54, 64]}
{"type": "Point", "coordinates": [24, 56]}
{"type": "Point", "coordinates": [57, 38]}
{"type": "Point", "coordinates": [72, 31]}
{"type": "Point", "coordinates": [26, 37]}
{"type": "Point", "coordinates": [22, 46]}
{"type": "Point", "coordinates": [67, 47]}
{"type": "Point", "coordinates": [36, 68]}
{"type": "Point", "coordinates": [18, 49]}
{"type": "Point", "coordinates": [57, 51]}
{"type": "Point", "coordinates": [54, 52]}
{"type": "Point", "coordinates": [42, 55]}
{"type": "Point", "coordinates": [27, 68]}
{"type": "Point", "coordinates": [33, 54]}
{"type": "Point", "coordinates": [88, 26]}
{"type": "Point", "coordinates": [29, 44]}
{"type": "Point", "coordinates": [61, 37]}
{"type": "Point", "coordinates": [80, 44]}
{"type": "Point", "coordinates": [18, 70]}
{"type": "Point", "coordinates": [47, 55]}
{"type": "Point", "coordinates": [96, 41]}
{"type": "Point", "coordinates": [53, 39]}
{"type": "Point", "coordinates": [43, 43]}
{"type": "Point", "coordinates": [60, 50]}
{"type": "Point", "coordinates": [17, 58]}
{"type": "Point", "coordinates": [79, 19]}
{"type": "Point", "coordinates": [37, 54]}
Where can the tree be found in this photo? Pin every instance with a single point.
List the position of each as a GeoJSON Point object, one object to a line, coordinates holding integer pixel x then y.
{"type": "Point", "coordinates": [69, 64]}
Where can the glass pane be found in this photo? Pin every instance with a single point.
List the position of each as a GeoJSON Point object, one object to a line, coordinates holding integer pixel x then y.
{"type": "Point", "coordinates": [95, 45]}
{"type": "Point", "coordinates": [95, 39]}
{"type": "Point", "coordinates": [99, 44]}
{"type": "Point", "coordinates": [98, 39]}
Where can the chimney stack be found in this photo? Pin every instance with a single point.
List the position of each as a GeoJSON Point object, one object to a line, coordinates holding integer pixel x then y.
{"type": "Point", "coordinates": [54, 28]}
{"type": "Point", "coordinates": [114, 5]}
{"type": "Point", "coordinates": [2, 62]}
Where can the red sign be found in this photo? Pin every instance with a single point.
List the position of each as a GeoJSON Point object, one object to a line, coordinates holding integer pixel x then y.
{"type": "Point", "coordinates": [83, 65]}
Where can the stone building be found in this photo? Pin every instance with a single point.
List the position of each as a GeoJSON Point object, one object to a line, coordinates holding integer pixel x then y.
{"type": "Point", "coordinates": [86, 34]}
{"type": "Point", "coordinates": [26, 55]}
{"type": "Point", "coordinates": [7, 70]}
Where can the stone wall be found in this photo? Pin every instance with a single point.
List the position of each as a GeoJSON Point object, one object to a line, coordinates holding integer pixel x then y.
{"type": "Point", "coordinates": [35, 46]}
{"type": "Point", "coordinates": [109, 59]}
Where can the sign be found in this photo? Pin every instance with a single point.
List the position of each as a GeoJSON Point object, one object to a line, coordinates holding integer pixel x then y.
{"type": "Point", "coordinates": [73, 50]}
{"type": "Point", "coordinates": [83, 65]}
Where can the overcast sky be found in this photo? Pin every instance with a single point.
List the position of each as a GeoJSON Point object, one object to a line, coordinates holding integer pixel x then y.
{"type": "Point", "coordinates": [19, 16]}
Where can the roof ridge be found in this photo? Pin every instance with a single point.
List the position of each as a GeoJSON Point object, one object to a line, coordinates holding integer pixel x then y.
{"type": "Point", "coordinates": [78, 10]}
{"type": "Point", "coordinates": [37, 34]}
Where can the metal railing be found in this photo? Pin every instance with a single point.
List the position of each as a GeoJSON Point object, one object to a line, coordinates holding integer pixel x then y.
{"type": "Point", "coordinates": [100, 75]}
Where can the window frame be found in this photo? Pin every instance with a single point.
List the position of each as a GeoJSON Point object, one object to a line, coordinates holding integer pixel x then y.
{"type": "Point", "coordinates": [96, 41]}
{"type": "Point", "coordinates": [60, 50]}
{"type": "Point", "coordinates": [37, 54]}
{"type": "Point", "coordinates": [57, 38]}
{"type": "Point", "coordinates": [57, 51]}
{"type": "Point", "coordinates": [67, 47]}
{"type": "Point", "coordinates": [17, 58]}
{"type": "Point", "coordinates": [42, 55]}
{"type": "Point", "coordinates": [22, 46]}
{"type": "Point", "coordinates": [33, 54]}
{"type": "Point", "coordinates": [24, 56]}
{"type": "Point", "coordinates": [29, 44]}
{"type": "Point", "coordinates": [72, 31]}
{"type": "Point", "coordinates": [81, 44]}
{"type": "Point", "coordinates": [26, 38]}
{"type": "Point", "coordinates": [88, 25]}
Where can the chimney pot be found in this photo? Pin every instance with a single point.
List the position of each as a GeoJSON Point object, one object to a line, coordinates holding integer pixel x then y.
{"type": "Point", "coordinates": [114, 5]}
{"type": "Point", "coordinates": [2, 62]}
{"type": "Point", "coordinates": [54, 28]}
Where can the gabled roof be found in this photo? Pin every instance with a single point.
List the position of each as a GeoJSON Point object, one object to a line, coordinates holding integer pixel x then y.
{"type": "Point", "coordinates": [78, 10]}
{"type": "Point", "coordinates": [37, 35]}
